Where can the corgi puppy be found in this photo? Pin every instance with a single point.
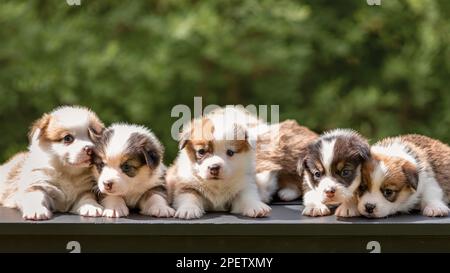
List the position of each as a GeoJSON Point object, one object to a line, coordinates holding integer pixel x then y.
{"type": "Point", "coordinates": [130, 172]}
{"type": "Point", "coordinates": [331, 172]}
{"type": "Point", "coordinates": [406, 172]}
{"type": "Point", "coordinates": [55, 174]}
{"type": "Point", "coordinates": [277, 155]}
{"type": "Point", "coordinates": [215, 168]}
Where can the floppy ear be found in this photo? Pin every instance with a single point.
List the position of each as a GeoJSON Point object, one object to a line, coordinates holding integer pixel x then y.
{"type": "Point", "coordinates": [301, 165]}
{"type": "Point", "coordinates": [184, 138]}
{"type": "Point", "coordinates": [38, 127]}
{"type": "Point", "coordinates": [411, 173]}
{"type": "Point", "coordinates": [152, 157]}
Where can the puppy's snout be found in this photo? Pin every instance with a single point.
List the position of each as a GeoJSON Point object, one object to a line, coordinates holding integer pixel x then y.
{"type": "Point", "coordinates": [108, 185]}
{"type": "Point", "coordinates": [89, 150]}
{"type": "Point", "coordinates": [330, 192]}
{"type": "Point", "coordinates": [214, 169]}
{"type": "Point", "coordinates": [369, 207]}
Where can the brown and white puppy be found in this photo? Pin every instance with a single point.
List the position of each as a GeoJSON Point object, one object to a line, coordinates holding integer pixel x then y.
{"type": "Point", "coordinates": [331, 173]}
{"type": "Point", "coordinates": [406, 172]}
{"type": "Point", "coordinates": [215, 169]}
{"type": "Point", "coordinates": [130, 172]}
{"type": "Point", "coordinates": [278, 152]}
{"type": "Point", "coordinates": [55, 173]}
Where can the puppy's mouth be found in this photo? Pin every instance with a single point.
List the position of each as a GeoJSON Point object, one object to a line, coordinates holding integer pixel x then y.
{"type": "Point", "coordinates": [81, 163]}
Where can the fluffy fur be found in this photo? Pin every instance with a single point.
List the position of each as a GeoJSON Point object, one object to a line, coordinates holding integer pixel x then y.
{"type": "Point", "coordinates": [130, 172]}
{"type": "Point", "coordinates": [215, 168]}
{"type": "Point", "coordinates": [278, 152]}
{"type": "Point", "coordinates": [406, 172]}
{"type": "Point", "coordinates": [331, 172]}
{"type": "Point", "coordinates": [55, 173]}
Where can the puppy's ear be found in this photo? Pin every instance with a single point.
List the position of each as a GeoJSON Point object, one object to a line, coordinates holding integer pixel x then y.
{"type": "Point", "coordinates": [185, 136]}
{"type": "Point", "coordinates": [411, 173]}
{"type": "Point", "coordinates": [39, 127]}
{"type": "Point", "coordinates": [301, 165]}
{"type": "Point", "coordinates": [152, 157]}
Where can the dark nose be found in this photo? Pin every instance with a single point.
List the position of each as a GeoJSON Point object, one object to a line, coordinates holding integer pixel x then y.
{"type": "Point", "coordinates": [370, 207]}
{"type": "Point", "coordinates": [330, 192]}
{"type": "Point", "coordinates": [108, 185]}
{"type": "Point", "coordinates": [88, 150]}
{"type": "Point", "coordinates": [214, 169]}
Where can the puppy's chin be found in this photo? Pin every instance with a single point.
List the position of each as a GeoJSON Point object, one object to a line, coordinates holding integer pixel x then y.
{"type": "Point", "coordinates": [83, 162]}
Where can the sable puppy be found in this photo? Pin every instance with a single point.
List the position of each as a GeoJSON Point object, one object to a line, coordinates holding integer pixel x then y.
{"type": "Point", "coordinates": [215, 169]}
{"type": "Point", "coordinates": [331, 171]}
{"type": "Point", "coordinates": [406, 172]}
{"type": "Point", "coordinates": [55, 173]}
{"type": "Point", "coordinates": [130, 172]}
{"type": "Point", "coordinates": [278, 152]}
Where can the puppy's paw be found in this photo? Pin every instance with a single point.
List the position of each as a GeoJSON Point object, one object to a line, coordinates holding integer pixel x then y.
{"type": "Point", "coordinates": [287, 194]}
{"type": "Point", "coordinates": [120, 210]}
{"type": "Point", "coordinates": [345, 210]}
{"type": "Point", "coordinates": [159, 210]}
{"type": "Point", "coordinates": [90, 210]}
{"type": "Point", "coordinates": [36, 214]}
{"type": "Point", "coordinates": [258, 209]}
{"type": "Point", "coordinates": [436, 210]}
{"type": "Point", "coordinates": [189, 212]}
{"type": "Point", "coordinates": [316, 210]}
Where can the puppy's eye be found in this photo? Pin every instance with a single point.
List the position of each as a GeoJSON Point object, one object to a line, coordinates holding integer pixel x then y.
{"type": "Point", "coordinates": [388, 193]}
{"type": "Point", "coordinates": [126, 168]}
{"type": "Point", "coordinates": [201, 152]}
{"type": "Point", "coordinates": [68, 139]}
{"type": "Point", "coordinates": [346, 173]}
{"type": "Point", "coordinates": [230, 153]}
{"type": "Point", "coordinates": [317, 174]}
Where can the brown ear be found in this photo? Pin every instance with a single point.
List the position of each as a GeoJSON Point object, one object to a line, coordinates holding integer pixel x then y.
{"type": "Point", "coordinates": [411, 173]}
{"type": "Point", "coordinates": [39, 127]}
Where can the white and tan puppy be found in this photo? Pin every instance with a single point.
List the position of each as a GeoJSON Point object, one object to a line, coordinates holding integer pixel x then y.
{"type": "Point", "coordinates": [130, 172]}
{"type": "Point", "coordinates": [331, 173]}
{"type": "Point", "coordinates": [55, 175]}
{"type": "Point", "coordinates": [405, 173]}
{"type": "Point", "coordinates": [215, 169]}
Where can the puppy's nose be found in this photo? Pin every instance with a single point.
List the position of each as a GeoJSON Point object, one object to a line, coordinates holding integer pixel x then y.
{"type": "Point", "coordinates": [214, 169]}
{"type": "Point", "coordinates": [369, 207]}
{"type": "Point", "coordinates": [88, 150]}
{"type": "Point", "coordinates": [108, 185]}
{"type": "Point", "coordinates": [330, 192]}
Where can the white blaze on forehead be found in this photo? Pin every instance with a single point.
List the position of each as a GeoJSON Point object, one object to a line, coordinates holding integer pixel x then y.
{"type": "Point", "coordinates": [72, 116]}
{"type": "Point", "coordinates": [327, 153]}
{"type": "Point", "coordinates": [118, 142]}
{"type": "Point", "coordinates": [378, 175]}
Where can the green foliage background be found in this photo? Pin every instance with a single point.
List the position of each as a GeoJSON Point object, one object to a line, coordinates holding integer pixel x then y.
{"type": "Point", "coordinates": [380, 70]}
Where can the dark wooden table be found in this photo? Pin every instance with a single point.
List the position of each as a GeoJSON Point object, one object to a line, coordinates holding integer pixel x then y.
{"type": "Point", "coordinates": [284, 231]}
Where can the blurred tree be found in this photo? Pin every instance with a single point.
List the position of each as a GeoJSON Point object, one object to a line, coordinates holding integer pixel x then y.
{"type": "Point", "coordinates": [382, 70]}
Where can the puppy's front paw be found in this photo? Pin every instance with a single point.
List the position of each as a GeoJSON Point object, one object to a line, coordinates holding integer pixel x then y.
{"type": "Point", "coordinates": [258, 209]}
{"type": "Point", "coordinates": [436, 210]}
{"type": "Point", "coordinates": [36, 214]}
{"type": "Point", "coordinates": [121, 210]}
{"type": "Point", "coordinates": [90, 210]}
{"type": "Point", "coordinates": [345, 210]}
{"type": "Point", "coordinates": [189, 212]}
{"type": "Point", "coordinates": [159, 210]}
{"type": "Point", "coordinates": [316, 210]}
